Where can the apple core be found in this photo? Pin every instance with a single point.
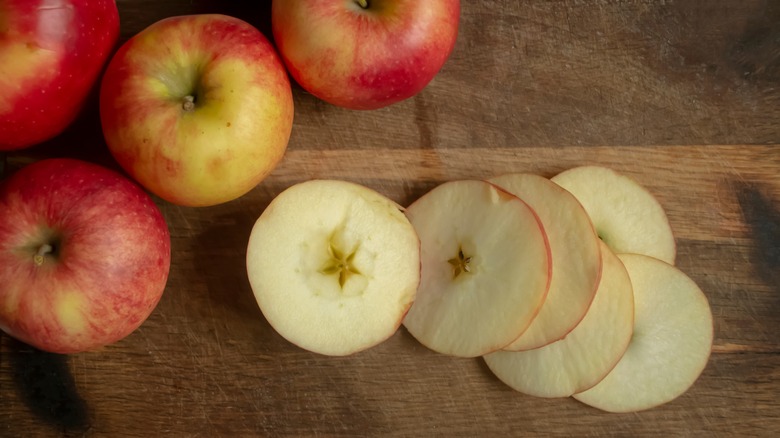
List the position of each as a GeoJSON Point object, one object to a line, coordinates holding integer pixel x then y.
{"type": "Point", "coordinates": [340, 264]}
{"type": "Point", "coordinates": [460, 264]}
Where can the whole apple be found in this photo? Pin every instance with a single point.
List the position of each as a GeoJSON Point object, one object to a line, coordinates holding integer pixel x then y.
{"type": "Point", "coordinates": [84, 255]}
{"type": "Point", "coordinates": [365, 54]}
{"type": "Point", "coordinates": [197, 108]}
{"type": "Point", "coordinates": [51, 54]}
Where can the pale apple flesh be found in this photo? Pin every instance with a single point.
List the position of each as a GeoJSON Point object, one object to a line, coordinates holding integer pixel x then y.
{"type": "Point", "coordinates": [198, 109]}
{"type": "Point", "coordinates": [50, 56]}
{"type": "Point", "coordinates": [334, 266]}
{"type": "Point", "coordinates": [84, 256]}
{"type": "Point", "coordinates": [576, 258]}
{"type": "Point", "coordinates": [587, 354]}
{"type": "Point", "coordinates": [671, 344]}
{"type": "Point", "coordinates": [365, 54]}
{"type": "Point", "coordinates": [485, 268]}
{"type": "Point", "coordinates": [626, 215]}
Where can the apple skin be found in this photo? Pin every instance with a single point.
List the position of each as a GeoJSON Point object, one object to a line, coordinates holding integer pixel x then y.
{"type": "Point", "coordinates": [51, 55]}
{"type": "Point", "coordinates": [365, 58]}
{"type": "Point", "coordinates": [108, 264]}
{"type": "Point", "coordinates": [238, 124]}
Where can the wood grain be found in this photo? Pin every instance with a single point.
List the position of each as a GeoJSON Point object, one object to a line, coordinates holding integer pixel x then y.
{"type": "Point", "coordinates": [683, 96]}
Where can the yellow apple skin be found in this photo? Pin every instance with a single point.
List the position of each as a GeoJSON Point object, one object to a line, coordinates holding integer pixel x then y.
{"type": "Point", "coordinates": [198, 108]}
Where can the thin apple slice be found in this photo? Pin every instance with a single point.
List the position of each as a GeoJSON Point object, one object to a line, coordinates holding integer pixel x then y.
{"type": "Point", "coordinates": [485, 268]}
{"type": "Point", "coordinates": [576, 257]}
{"type": "Point", "coordinates": [671, 344]}
{"type": "Point", "coordinates": [626, 215]}
{"type": "Point", "coordinates": [585, 355]}
{"type": "Point", "coordinates": [334, 266]}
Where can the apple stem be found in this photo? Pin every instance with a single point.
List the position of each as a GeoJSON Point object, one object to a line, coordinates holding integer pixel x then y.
{"type": "Point", "coordinates": [363, 3]}
{"type": "Point", "coordinates": [39, 256]}
{"type": "Point", "coordinates": [189, 103]}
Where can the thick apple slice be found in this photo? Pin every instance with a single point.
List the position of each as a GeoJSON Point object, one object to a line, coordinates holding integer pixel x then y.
{"type": "Point", "coordinates": [626, 216]}
{"type": "Point", "coordinates": [585, 355]}
{"type": "Point", "coordinates": [671, 343]}
{"type": "Point", "coordinates": [334, 266]}
{"type": "Point", "coordinates": [576, 258]}
{"type": "Point", "coordinates": [485, 268]}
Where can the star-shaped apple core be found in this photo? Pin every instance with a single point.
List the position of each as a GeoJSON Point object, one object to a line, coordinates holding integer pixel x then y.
{"type": "Point", "coordinates": [340, 263]}
{"type": "Point", "coordinates": [460, 264]}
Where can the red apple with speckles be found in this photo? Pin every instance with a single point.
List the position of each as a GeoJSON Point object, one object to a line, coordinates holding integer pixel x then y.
{"type": "Point", "coordinates": [84, 255]}
{"type": "Point", "coordinates": [197, 108]}
{"type": "Point", "coordinates": [365, 54]}
{"type": "Point", "coordinates": [51, 54]}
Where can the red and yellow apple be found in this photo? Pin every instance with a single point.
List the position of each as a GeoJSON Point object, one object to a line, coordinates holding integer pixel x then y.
{"type": "Point", "coordinates": [84, 256]}
{"type": "Point", "coordinates": [198, 109]}
{"type": "Point", "coordinates": [365, 54]}
{"type": "Point", "coordinates": [51, 54]}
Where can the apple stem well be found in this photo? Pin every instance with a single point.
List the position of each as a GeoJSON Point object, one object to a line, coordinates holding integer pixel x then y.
{"type": "Point", "coordinates": [362, 3]}
{"type": "Point", "coordinates": [40, 255]}
{"type": "Point", "coordinates": [188, 103]}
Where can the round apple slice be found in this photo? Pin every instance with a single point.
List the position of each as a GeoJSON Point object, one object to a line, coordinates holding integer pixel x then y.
{"type": "Point", "coordinates": [576, 258]}
{"type": "Point", "coordinates": [671, 343]}
{"type": "Point", "coordinates": [334, 266]}
{"type": "Point", "coordinates": [485, 268]}
{"type": "Point", "coordinates": [626, 216]}
{"type": "Point", "coordinates": [585, 355]}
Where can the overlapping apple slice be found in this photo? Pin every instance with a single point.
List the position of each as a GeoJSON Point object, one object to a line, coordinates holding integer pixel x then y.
{"type": "Point", "coordinates": [485, 268]}
{"type": "Point", "coordinates": [585, 355]}
{"type": "Point", "coordinates": [671, 344]}
{"type": "Point", "coordinates": [626, 216]}
{"type": "Point", "coordinates": [576, 257]}
{"type": "Point", "coordinates": [334, 266]}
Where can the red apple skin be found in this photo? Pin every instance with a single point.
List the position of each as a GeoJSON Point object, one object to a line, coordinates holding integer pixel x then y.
{"type": "Point", "coordinates": [237, 128]}
{"type": "Point", "coordinates": [51, 54]}
{"type": "Point", "coordinates": [365, 58]}
{"type": "Point", "coordinates": [110, 258]}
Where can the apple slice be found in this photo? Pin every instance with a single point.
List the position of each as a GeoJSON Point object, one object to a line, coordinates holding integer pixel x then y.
{"type": "Point", "coordinates": [671, 343]}
{"type": "Point", "coordinates": [626, 216]}
{"type": "Point", "coordinates": [576, 258]}
{"type": "Point", "coordinates": [585, 355]}
{"type": "Point", "coordinates": [334, 266]}
{"type": "Point", "coordinates": [485, 268]}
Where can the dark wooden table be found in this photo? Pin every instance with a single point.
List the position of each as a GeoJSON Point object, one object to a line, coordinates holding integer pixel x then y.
{"type": "Point", "coordinates": [684, 96]}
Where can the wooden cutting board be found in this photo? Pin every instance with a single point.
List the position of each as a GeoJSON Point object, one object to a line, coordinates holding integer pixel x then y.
{"type": "Point", "coordinates": [683, 96]}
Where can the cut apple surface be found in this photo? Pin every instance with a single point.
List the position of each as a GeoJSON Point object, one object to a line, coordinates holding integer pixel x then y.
{"type": "Point", "coordinates": [485, 268]}
{"type": "Point", "coordinates": [585, 355]}
{"type": "Point", "coordinates": [334, 266]}
{"type": "Point", "coordinates": [671, 344]}
{"type": "Point", "coordinates": [576, 257]}
{"type": "Point", "coordinates": [626, 216]}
